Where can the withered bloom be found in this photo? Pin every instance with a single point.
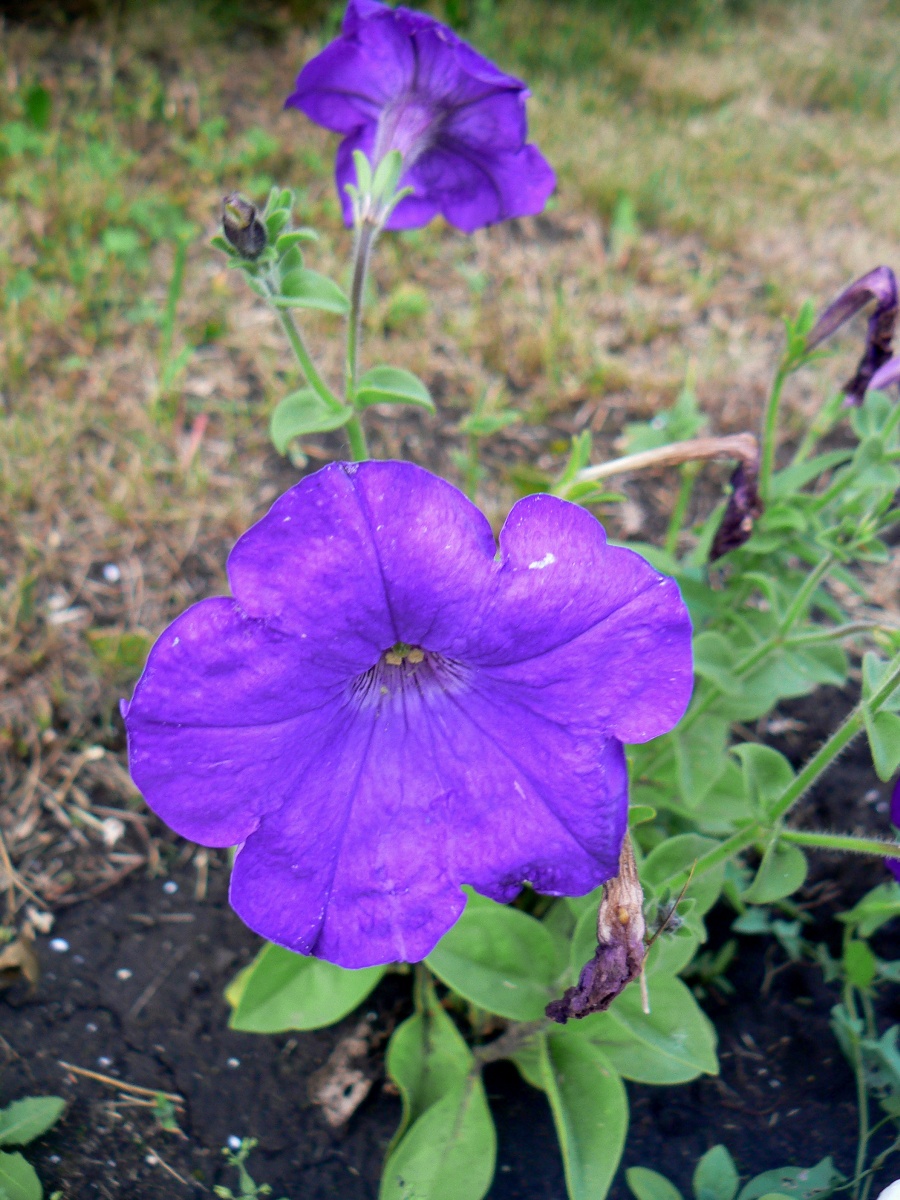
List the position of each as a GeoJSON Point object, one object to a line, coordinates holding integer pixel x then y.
{"type": "Point", "coordinates": [619, 957]}
{"type": "Point", "coordinates": [242, 226]}
{"type": "Point", "coordinates": [879, 285]}
{"type": "Point", "coordinates": [745, 507]}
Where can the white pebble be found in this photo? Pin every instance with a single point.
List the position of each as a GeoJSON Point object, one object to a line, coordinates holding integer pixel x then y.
{"type": "Point", "coordinates": [91, 1027]}
{"type": "Point", "coordinates": [111, 573]}
{"type": "Point", "coordinates": [60, 945]}
{"type": "Point", "coordinates": [233, 1062]}
{"type": "Point", "coordinates": [891, 1192]}
{"type": "Point", "coordinates": [54, 1158]}
{"type": "Point", "coordinates": [170, 887]}
{"type": "Point", "coordinates": [151, 1160]}
{"type": "Point", "coordinates": [123, 973]}
{"type": "Point", "coordinates": [234, 1142]}
{"type": "Point", "coordinates": [104, 1062]}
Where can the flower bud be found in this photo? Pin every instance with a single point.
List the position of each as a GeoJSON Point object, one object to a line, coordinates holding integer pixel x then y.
{"type": "Point", "coordinates": [242, 226]}
{"type": "Point", "coordinates": [879, 285]}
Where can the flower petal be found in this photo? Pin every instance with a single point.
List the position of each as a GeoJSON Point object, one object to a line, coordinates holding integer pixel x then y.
{"type": "Point", "coordinates": [223, 722]}
{"type": "Point", "coordinates": [473, 189]}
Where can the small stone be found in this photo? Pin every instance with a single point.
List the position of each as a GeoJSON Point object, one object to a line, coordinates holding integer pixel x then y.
{"type": "Point", "coordinates": [104, 1062]}
{"type": "Point", "coordinates": [233, 1062]}
{"type": "Point", "coordinates": [123, 973]}
{"type": "Point", "coordinates": [91, 1027]}
{"type": "Point", "coordinates": [112, 573]}
{"type": "Point", "coordinates": [170, 887]}
{"type": "Point", "coordinates": [234, 1142]}
{"type": "Point", "coordinates": [60, 945]}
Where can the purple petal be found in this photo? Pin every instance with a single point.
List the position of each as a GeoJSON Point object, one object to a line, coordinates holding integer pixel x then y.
{"type": "Point", "coordinates": [879, 284]}
{"type": "Point", "coordinates": [885, 376]}
{"type": "Point", "coordinates": [471, 189]}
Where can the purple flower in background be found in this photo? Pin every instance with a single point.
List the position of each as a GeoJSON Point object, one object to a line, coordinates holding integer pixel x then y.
{"type": "Point", "coordinates": [399, 80]}
{"type": "Point", "coordinates": [390, 708]}
{"type": "Point", "coordinates": [893, 864]}
{"type": "Point", "coordinates": [879, 285]}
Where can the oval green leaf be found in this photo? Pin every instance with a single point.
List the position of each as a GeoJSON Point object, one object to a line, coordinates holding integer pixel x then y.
{"type": "Point", "coordinates": [716, 1176]}
{"type": "Point", "coordinates": [499, 958]}
{"type": "Point", "coordinates": [448, 1153]}
{"type": "Point", "coordinates": [674, 1043]}
{"type": "Point", "coordinates": [302, 413]}
{"type": "Point", "coordinates": [650, 1185]}
{"type": "Point", "coordinates": [590, 1112]}
{"type": "Point", "coordinates": [392, 385]}
{"type": "Point", "coordinates": [303, 288]}
{"type": "Point", "coordinates": [18, 1179]}
{"type": "Point", "coordinates": [25, 1120]}
{"type": "Point", "coordinates": [281, 990]}
{"type": "Point", "coordinates": [781, 872]}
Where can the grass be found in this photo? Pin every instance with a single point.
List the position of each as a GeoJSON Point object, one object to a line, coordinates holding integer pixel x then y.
{"type": "Point", "coordinates": [755, 162]}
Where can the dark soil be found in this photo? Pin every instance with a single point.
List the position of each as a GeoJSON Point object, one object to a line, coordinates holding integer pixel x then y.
{"type": "Point", "coordinates": [138, 996]}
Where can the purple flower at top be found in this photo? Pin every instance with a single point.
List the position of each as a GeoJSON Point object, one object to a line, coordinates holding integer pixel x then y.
{"type": "Point", "coordinates": [893, 864]}
{"type": "Point", "coordinates": [879, 285]}
{"type": "Point", "coordinates": [399, 80]}
{"type": "Point", "coordinates": [392, 707]}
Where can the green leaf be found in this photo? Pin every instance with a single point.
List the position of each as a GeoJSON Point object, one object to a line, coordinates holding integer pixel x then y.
{"type": "Point", "coordinates": [308, 289]}
{"type": "Point", "coordinates": [650, 1185]}
{"type": "Point", "coordinates": [484, 424]}
{"type": "Point", "coordinates": [674, 1043]}
{"type": "Point", "coordinates": [700, 756]}
{"type": "Point", "coordinates": [798, 1183]}
{"type": "Point", "coordinates": [678, 854]}
{"type": "Point", "coordinates": [781, 872]}
{"type": "Point", "coordinates": [281, 990]}
{"type": "Point", "coordinates": [590, 1112]}
{"type": "Point", "coordinates": [288, 240]}
{"type": "Point", "coordinates": [26, 1120]}
{"type": "Point", "coordinates": [302, 413]}
{"type": "Point", "coordinates": [875, 909]}
{"type": "Point", "coordinates": [640, 814]}
{"type": "Point", "coordinates": [883, 731]}
{"type": "Point", "coordinates": [426, 1058]}
{"type": "Point", "coordinates": [18, 1179]}
{"type": "Point", "coordinates": [499, 958]}
{"type": "Point", "coordinates": [766, 774]}
{"type": "Point", "coordinates": [448, 1153]}
{"type": "Point", "coordinates": [860, 964]}
{"type": "Point", "coordinates": [875, 671]}
{"type": "Point", "coordinates": [714, 659]}
{"type": "Point", "coordinates": [716, 1176]}
{"type": "Point", "coordinates": [392, 385]}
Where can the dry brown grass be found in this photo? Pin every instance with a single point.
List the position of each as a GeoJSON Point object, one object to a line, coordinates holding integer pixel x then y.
{"type": "Point", "coordinates": [771, 197]}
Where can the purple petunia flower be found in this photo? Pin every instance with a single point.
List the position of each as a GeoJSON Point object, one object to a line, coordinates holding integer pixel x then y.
{"type": "Point", "coordinates": [399, 80]}
{"type": "Point", "coordinates": [879, 285]}
{"type": "Point", "coordinates": [391, 707]}
{"type": "Point", "coordinates": [893, 864]}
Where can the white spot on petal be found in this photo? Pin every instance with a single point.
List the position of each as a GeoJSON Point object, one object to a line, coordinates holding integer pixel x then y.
{"type": "Point", "coordinates": [546, 561]}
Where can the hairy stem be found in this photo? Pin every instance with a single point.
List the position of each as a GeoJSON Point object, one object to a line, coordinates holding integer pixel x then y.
{"type": "Point", "coordinates": [843, 842]}
{"type": "Point", "coordinates": [770, 429]}
{"type": "Point", "coordinates": [304, 358]}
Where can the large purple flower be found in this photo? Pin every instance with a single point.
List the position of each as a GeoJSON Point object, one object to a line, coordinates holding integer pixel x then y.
{"type": "Point", "coordinates": [399, 80]}
{"type": "Point", "coordinates": [391, 707]}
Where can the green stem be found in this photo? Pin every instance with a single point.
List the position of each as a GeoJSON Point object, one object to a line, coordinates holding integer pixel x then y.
{"type": "Point", "coordinates": [838, 741]}
{"type": "Point", "coordinates": [742, 840]}
{"type": "Point", "coordinates": [754, 658]}
{"type": "Point", "coordinates": [356, 436]}
{"type": "Point", "coordinates": [365, 240]}
{"type": "Point", "coordinates": [689, 473]}
{"type": "Point", "coordinates": [862, 1097]}
{"type": "Point", "coordinates": [821, 425]}
{"type": "Point", "coordinates": [770, 429]}
{"type": "Point", "coordinates": [307, 366]}
{"type": "Point", "coordinates": [840, 841]}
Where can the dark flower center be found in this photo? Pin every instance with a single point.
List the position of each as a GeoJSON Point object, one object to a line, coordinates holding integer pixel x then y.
{"type": "Point", "coordinates": [407, 673]}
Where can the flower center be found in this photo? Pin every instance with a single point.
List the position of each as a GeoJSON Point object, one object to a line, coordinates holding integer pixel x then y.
{"type": "Point", "coordinates": [410, 125]}
{"type": "Point", "coordinates": [408, 674]}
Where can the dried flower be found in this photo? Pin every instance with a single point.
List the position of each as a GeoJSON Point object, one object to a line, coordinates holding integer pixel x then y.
{"type": "Point", "coordinates": [744, 508]}
{"type": "Point", "coordinates": [390, 708]}
{"type": "Point", "coordinates": [879, 285]}
{"type": "Point", "coordinates": [399, 80]}
{"type": "Point", "coordinates": [619, 957]}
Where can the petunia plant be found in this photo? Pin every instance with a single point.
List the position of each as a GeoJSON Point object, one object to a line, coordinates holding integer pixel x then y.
{"type": "Point", "coordinates": [507, 766]}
